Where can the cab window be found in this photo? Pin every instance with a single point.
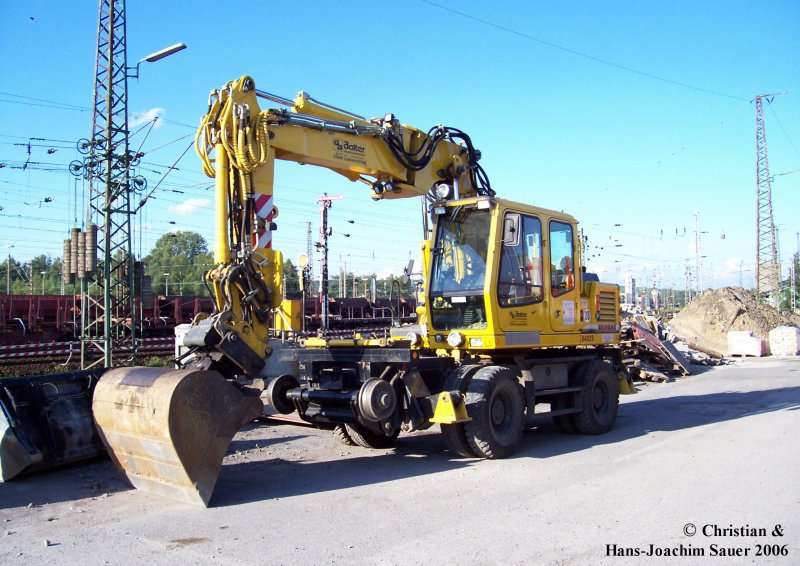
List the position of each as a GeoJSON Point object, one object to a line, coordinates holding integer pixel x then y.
{"type": "Point", "coordinates": [562, 266]}
{"type": "Point", "coordinates": [520, 280]}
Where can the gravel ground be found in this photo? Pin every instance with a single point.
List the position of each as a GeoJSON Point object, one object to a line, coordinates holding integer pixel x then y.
{"type": "Point", "coordinates": [718, 448]}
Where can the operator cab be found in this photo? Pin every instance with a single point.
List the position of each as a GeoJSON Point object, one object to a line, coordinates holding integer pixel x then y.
{"type": "Point", "coordinates": [501, 274]}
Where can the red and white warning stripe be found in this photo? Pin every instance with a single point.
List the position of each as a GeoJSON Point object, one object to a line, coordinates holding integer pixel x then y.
{"type": "Point", "coordinates": [264, 211]}
{"type": "Point", "coordinates": [62, 352]}
{"type": "Point", "coordinates": [42, 349]}
{"type": "Point", "coordinates": [37, 345]}
{"type": "Point", "coordinates": [59, 345]}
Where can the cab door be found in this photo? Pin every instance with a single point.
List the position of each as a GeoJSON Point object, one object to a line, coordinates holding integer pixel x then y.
{"type": "Point", "coordinates": [562, 294]}
{"type": "Point", "coordinates": [520, 279]}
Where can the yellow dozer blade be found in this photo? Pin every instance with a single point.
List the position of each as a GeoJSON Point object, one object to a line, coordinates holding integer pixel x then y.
{"type": "Point", "coordinates": [168, 429]}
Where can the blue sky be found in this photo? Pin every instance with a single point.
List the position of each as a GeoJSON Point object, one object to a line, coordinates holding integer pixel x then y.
{"type": "Point", "coordinates": [632, 116]}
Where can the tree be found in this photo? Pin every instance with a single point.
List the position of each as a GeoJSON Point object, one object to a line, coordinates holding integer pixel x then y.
{"type": "Point", "coordinates": [44, 271]}
{"type": "Point", "coordinates": [291, 279]}
{"type": "Point", "coordinates": [46, 274]}
{"type": "Point", "coordinates": [178, 260]}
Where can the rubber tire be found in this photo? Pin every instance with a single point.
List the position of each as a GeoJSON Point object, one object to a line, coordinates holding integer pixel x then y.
{"type": "Point", "coordinates": [368, 439]}
{"type": "Point", "coordinates": [599, 398]}
{"type": "Point", "coordinates": [341, 434]}
{"type": "Point", "coordinates": [454, 434]}
{"type": "Point", "coordinates": [496, 404]}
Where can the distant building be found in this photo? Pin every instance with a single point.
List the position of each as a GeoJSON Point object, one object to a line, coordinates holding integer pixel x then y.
{"type": "Point", "coordinates": [630, 290]}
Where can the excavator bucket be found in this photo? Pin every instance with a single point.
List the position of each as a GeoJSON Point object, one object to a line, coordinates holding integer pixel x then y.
{"type": "Point", "coordinates": [168, 429]}
{"type": "Point", "coordinates": [46, 422]}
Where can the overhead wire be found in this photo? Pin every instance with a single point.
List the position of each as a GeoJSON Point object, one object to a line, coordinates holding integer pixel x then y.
{"type": "Point", "coordinates": [785, 133]}
{"type": "Point", "coordinates": [582, 54]}
{"type": "Point", "coordinates": [144, 200]}
{"type": "Point", "coordinates": [202, 187]}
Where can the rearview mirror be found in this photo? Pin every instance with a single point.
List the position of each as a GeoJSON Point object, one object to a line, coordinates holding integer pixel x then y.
{"type": "Point", "coordinates": [511, 230]}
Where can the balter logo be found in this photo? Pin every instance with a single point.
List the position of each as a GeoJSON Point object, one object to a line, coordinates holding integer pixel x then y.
{"type": "Point", "coordinates": [518, 315]}
{"type": "Point", "coordinates": [342, 145]}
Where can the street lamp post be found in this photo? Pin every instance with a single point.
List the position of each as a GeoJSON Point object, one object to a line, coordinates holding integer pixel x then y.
{"type": "Point", "coordinates": [153, 57]}
{"type": "Point", "coordinates": [42, 274]}
{"type": "Point", "coordinates": [166, 283]}
{"type": "Point", "coordinates": [343, 275]}
{"type": "Point", "coordinates": [8, 270]}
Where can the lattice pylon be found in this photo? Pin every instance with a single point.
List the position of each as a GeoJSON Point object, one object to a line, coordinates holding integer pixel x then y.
{"type": "Point", "coordinates": [110, 322]}
{"type": "Point", "coordinates": [767, 266]}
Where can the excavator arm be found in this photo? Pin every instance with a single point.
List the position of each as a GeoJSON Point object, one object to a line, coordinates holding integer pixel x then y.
{"type": "Point", "coordinates": [167, 429]}
{"type": "Point", "coordinates": [238, 143]}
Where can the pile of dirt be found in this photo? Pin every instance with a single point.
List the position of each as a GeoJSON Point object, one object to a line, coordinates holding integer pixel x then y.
{"type": "Point", "coordinates": [707, 320]}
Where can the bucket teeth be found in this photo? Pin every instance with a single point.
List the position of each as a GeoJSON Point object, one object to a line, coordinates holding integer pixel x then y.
{"type": "Point", "coordinates": [168, 430]}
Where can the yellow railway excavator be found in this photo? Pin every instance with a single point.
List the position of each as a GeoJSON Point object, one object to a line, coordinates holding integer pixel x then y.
{"type": "Point", "coordinates": [509, 323]}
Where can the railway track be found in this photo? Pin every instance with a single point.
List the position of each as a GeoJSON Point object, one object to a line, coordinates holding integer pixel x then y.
{"type": "Point", "coordinates": [37, 352]}
{"type": "Point", "coordinates": [64, 352]}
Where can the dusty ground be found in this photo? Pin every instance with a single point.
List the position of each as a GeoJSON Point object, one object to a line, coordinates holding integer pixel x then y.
{"type": "Point", "coordinates": [708, 318]}
{"type": "Point", "coordinates": [719, 448]}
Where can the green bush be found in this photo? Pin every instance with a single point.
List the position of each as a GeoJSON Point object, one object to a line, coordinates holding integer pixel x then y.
{"type": "Point", "coordinates": [159, 362]}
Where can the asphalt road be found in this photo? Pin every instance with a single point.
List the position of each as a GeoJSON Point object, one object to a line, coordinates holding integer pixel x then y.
{"type": "Point", "coordinates": [705, 456]}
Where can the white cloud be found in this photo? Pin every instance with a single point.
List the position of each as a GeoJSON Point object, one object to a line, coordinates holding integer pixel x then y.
{"type": "Point", "coordinates": [190, 206]}
{"type": "Point", "coordinates": [147, 116]}
{"type": "Point", "coordinates": [730, 272]}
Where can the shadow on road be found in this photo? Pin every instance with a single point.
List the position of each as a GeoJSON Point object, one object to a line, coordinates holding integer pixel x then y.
{"type": "Point", "coordinates": [426, 454]}
{"type": "Point", "coordinates": [90, 480]}
{"type": "Point", "coordinates": [94, 479]}
{"type": "Point", "coordinates": [639, 418]}
{"type": "Point", "coordinates": [414, 455]}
